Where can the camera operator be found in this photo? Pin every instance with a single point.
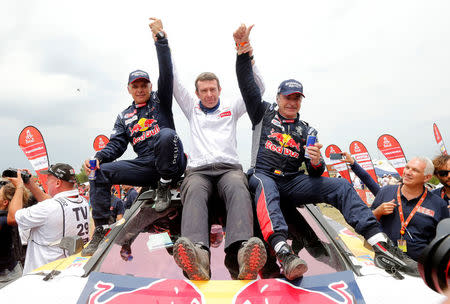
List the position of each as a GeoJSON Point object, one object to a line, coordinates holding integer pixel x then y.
{"type": "Point", "coordinates": [11, 247]}
{"type": "Point", "coordinates": [62, 212]}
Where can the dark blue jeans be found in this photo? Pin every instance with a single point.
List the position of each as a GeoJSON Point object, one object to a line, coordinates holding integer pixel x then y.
{"type": "Point", "coordinates": [168, 162]}
{"type": "Point", "coordinates": [303, 189]}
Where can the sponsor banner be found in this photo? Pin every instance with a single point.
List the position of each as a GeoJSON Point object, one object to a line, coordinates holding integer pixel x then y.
{"type": "Point", "coordinates": [360, 153]}
{"type": "Point", "coordinates": [392, 150]}
{"type": "Point", "coordinates": [339, 287]}
{"type": "Point", "coordinates": [362, 195]}
{"type": "Point", "coordinates": [338, 165]}
{"type": "Point", "coordinates": [100, 142]}
{"type": "Point", "coordinates": [32, 144]}
{"type": "Point", "coordinates": [439, 140]}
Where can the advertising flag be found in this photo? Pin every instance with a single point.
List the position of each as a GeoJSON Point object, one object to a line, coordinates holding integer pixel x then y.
{"type": "Point", "coordinates": [100, 142]}
{"type": "Point", "coordinates": [438, 137]}
{"type": "Point", "coordinates": [360, 153]}
{"type": "Point", "coordinates": [32, 144]}
{"type": "Point", "coordinates": [392, 150]}
{"type": "Point", "coordinates": [338, 165]}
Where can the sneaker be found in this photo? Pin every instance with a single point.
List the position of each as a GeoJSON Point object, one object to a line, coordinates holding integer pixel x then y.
{"type": "Point", "coordinates": [99, 234]}
{"type": "Point", "coordinates": [391, 258]}
{"type": "Point", "coordinates": [251, 258]}
{"type": "Point", "coordinates": [163, 196]}
{"type": "Point", "coordinates": [193, 259]}
{"type": "Point", "coordinates": [293, 266]}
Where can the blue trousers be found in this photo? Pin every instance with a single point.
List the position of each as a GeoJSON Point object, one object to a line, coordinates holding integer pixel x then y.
{"type": "Point", "coordinates": [303, 189]}
{"type": "Point", "coordinates": [168, 162]}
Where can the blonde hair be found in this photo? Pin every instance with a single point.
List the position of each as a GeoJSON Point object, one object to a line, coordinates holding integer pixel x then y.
{"type": "Point", "coordinates": [9, 190]}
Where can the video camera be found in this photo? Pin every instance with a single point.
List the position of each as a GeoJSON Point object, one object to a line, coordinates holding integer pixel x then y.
{"type": "Point", "coordinates": [11, 172]}
{"type": "Point", "coordinates": [434, 262]}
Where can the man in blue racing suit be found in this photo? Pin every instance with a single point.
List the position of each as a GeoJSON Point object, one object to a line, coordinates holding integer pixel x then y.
{"type": "Point", "coordinates": [279, 139]}
{"type": "Point", "coordinates": [148, 125]}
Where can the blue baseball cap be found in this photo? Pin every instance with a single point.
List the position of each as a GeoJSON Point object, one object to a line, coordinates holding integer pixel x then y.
{"type": "Point", "coordinates": [138, 74]}
{"type": "Point", "coordinates": [289, 87]}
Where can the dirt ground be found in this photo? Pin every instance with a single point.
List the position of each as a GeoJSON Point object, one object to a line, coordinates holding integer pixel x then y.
{"type": "Point", "coordinates": [334, 214]}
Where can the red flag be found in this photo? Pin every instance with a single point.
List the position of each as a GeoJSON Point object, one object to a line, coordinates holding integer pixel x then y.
{"type": "Point", "coordinates": [32, 144]}
{"type": "Point", "coordinates": [100, 142]}
{"type": "Point", "coordinates": [339, 165]}
{"type": "Point", "coordinates": [438, 137]}
{"type": "Point", "coordinates": [360, 153]}
{"type": "Point", "coordinates": [392, 150]}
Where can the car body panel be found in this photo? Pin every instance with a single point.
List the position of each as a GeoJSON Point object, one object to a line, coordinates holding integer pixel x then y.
{"type": "Point", "coordinates": [82, 279]}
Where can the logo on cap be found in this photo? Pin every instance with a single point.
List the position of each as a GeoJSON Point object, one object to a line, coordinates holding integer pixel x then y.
{"type": "Point", "coordinates": [289, 87]}
{"type": "Point", "coordinates": [138, 74]}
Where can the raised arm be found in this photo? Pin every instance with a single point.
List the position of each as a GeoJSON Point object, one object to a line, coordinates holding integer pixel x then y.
{"type": "Point", "coordinates": [250, 91]}
{"type": "Point", "coordinates": [181, 94]}
{"type": "Point", "coordinates": [165, 81]}
{"type": "Point", "coordinates": [363, 175]}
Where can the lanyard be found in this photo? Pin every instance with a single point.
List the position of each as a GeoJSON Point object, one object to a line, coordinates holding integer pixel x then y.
{"type": "Point", "coordinates": [443, 192]}
{"type": "Point", "coordinates": [400, 210]}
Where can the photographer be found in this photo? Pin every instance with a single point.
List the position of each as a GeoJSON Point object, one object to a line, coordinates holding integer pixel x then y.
{"type": "Point", "coordinates": [10, 249]}
{"type": "Point", "coordinates": [62, 212]}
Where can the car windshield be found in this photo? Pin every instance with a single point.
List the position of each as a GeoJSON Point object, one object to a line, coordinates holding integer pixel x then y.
{"type": "Point", "coordinates": [143, 247]}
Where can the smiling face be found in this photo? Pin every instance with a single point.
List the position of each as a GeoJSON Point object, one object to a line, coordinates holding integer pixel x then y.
{"type": "Point", "coordinates": [414, 173]}
{"type": "Point", "coordinates": [208, 91]}
{"type": "Point", "coordinates": [140, 90]}
{"type": "Point", "coordinates": [289, 105]}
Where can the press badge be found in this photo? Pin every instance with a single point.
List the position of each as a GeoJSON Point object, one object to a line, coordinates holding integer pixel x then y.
{"type": "Point", "coordinates": [402, 245]}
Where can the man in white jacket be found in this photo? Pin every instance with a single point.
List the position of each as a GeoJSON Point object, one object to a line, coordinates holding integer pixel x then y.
{"type": "Point", "coordinates": [213, 165]}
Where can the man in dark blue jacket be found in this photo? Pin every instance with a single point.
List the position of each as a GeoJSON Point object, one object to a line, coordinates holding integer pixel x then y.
{"type": "Point", "coordinates": [148, 125]}
{"type": "Point", "coordinates": [129, 196]}
{"type": "Point", "coordinates": [279, 145]}
{"type": "Point", "coordinates": [408, 213]}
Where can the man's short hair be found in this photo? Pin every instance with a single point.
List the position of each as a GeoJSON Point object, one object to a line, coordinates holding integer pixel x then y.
{"type": "Point", "coordinates": [9, 190]}
{"type": "Point", "coordinates": [429, 167]}
{"type": "Point", "coordinates": [206, 76]}
{"type": "Point", "coordinates": [440, 161]}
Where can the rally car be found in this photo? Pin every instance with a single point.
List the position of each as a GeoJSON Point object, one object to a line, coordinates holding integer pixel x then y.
{"type": "Point", "coordinates": [134, 264]}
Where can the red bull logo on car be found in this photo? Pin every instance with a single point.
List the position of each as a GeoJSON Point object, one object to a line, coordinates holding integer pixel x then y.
{"type": "Point", "coordinates": [163, 291]}
{"type": "Point", "coordinates": [339, 287]}
{"type": "Point", "coordinates": [276, 291]}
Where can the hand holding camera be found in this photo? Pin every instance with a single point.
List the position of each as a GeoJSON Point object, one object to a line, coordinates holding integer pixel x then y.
{"type": "Point", "coordinates": [12, 173]}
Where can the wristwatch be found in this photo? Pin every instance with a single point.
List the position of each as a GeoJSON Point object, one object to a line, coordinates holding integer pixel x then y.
{"type": "Point", "coordinates": [160, 35]}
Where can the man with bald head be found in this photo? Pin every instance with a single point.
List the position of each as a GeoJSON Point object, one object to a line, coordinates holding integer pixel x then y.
{"type": "Point", "coordinates": [408, 212]}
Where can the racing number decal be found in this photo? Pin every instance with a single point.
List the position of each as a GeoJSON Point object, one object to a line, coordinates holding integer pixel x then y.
{"type": "Point", "coordinates": [83, 224]}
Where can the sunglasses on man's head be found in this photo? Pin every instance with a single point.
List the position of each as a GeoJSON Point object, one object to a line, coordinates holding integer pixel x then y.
{"type": "Point", "coordinates": [442, 173]}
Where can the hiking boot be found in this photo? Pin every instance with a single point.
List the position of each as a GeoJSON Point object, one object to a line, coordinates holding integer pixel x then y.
{"type": "Point", "coordinates": [251, 258]}
{"type": "Point", "coordinates": [193, 259]}
{"type": "Point", "coordinates": [163, 195]}
{"type": "Point", "coordinates": [293, 266]}
{"type": "Point", "coordinates": [97, 237]}
{"type": "Point", "coordinates": [391, 258]}
{"type": "Point", "coordinates": [271, 269]}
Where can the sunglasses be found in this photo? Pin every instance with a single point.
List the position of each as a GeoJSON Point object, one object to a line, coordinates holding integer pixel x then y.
{"type": "Point", "coordinates": [442, 173]}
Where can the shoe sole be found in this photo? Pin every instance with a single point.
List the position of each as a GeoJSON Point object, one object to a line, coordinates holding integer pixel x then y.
{"type": "Point", "coordinates": [186, 258]}
{"type": "Point", "coordinates": [255, 257]}
{"type": "Point", "coordinates": [297, 272]}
